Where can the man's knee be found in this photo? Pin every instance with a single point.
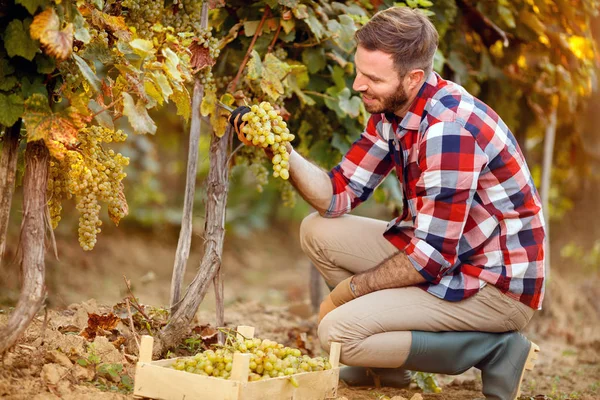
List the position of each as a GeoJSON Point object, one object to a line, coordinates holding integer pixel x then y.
{"type": "Point", "coordinates": [335, 329]}
{"type": "Point", "coordinates": [308, 232]}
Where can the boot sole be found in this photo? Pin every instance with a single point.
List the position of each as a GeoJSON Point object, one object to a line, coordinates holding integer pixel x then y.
{"type": "Point", "coordinates": [529, 364]}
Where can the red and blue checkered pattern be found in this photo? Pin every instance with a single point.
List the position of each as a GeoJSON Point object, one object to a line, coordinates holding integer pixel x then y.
{"type": "Point", "coordinates": [472, 215]}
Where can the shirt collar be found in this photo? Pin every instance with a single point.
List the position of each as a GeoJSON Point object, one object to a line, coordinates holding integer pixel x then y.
{"type": "Point", "coordinates": [413, 117]}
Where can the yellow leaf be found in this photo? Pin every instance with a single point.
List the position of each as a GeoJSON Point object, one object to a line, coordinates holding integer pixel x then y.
{"type": "Point", "coordinates": [209, 103]}
{"type": "Point", "coordinates": [55, 129]}
{"type": "Point", "coordinates": [142, 47]}
{"type": "Point", "coordinates": [114, 24]}
{"type": "Point", "coordinates": [44, 21]}
{"type": "Point", "coordinates": [55, 42]}
{"type": "Point", "coordinates": [153, 91]}
{"type": "Point", "coordinates": [218, 119]}
{"type": "Point", "coordinates": [163, 83]}
{"type": "Point", "coordinates": [138, 115]}
{"type": "Point", "coordinates": [181, 97]}
{"type": "Point", "coordinates": [171, 63]}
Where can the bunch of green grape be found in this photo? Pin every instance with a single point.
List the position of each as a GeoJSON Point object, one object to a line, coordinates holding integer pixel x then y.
{"type": "Point", "coordinates": [268, 359]}
{"type": "Point", "coordinates": [91, 174]}
{"type": "Point", "coordinates": [266, 128]}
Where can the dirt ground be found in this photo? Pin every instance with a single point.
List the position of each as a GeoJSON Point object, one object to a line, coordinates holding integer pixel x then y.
{"type": "Point", "coordinates": [266, 285]}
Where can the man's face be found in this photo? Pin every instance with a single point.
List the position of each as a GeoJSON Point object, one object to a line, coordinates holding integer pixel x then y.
{"type": "Point", "coordinates": [378, 82]}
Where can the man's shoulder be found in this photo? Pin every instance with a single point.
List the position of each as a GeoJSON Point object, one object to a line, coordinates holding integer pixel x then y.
{"type": "Point", "coordinates": [451, 102]}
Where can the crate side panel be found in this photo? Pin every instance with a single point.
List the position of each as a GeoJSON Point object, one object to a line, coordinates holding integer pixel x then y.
{"type": "Point", "coordinates": [312, 386]}
{"type": "Point", "coordinates": [162, 383]}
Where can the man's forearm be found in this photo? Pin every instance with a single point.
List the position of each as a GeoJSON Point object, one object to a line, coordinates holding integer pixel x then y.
{"type": "Point", "coordinates": [312, 182]}
{"type": "Point", "coordinates": [397, 271]}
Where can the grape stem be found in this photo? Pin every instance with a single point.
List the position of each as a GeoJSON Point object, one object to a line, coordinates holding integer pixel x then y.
{"type": "Point", "coordinates": [225, 106]}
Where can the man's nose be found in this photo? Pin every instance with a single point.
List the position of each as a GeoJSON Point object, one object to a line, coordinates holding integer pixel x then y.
{"type": "Point", "coordinates": [359, 84]}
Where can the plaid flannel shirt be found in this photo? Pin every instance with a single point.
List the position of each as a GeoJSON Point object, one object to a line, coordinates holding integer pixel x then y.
{"type": "Point", "coordinates": [471, 214]}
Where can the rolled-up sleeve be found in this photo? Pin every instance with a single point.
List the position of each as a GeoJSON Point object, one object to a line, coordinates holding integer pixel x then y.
{"type": "Point", "coordinates": [451, 161]}
{"type": "Point", "coordinates": [361, 170]}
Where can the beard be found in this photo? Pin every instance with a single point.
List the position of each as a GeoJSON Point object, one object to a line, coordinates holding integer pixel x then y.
{"type": "Point", "coordinates": [388, 104]}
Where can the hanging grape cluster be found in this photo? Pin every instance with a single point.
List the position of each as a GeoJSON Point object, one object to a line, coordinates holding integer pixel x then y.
{"type": "Point", "coordinates": [92, 175]}
{"type": "Point", "coordinates": [268, 359]}
{"type": "Point", "coordinates": [253, 159]}
{"type": "Point", "coordinates": [266, 128]}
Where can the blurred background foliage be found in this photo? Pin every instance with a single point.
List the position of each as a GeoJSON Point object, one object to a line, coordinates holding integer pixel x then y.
{"type": "Point", "coordinates": [521, 57]}
{"type": "Point", "coordinates": [524, 58]}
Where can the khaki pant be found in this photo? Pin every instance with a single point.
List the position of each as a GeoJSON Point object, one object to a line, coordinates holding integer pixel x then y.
{"type": "Point", "coordinates": [375, 329]}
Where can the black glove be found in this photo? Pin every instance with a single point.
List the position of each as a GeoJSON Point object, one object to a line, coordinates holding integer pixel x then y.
{"type": "Point", "coordinates": [235, 119]}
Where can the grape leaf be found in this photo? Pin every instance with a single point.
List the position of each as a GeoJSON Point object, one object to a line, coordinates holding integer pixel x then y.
{"type": "Point", "coordinates": [200, 56]}
{"type": "Point", "coordinates": [81, 32]}
{"type": "Point", "coordinates": [153, 92]}
{"type": "Point", "coordinates": [142, 47]}
{"type": "Point", "coordinates": [289, 3]}
{"type": "Point", "coordinates": [56, 129]}
{"type": "Point", "coordinates": [182, 100]}
{"type": "Point", "coordinates": [59, 44]}
{"type": "Point", "coordinates": [343, 32]}
{"type": "Point", "coordinates": [138, 115]}
{"type": "Point", "coordinates": [45, 21]}
{"type": "Point", "coordinates": [45, 64]}
{"type": "Point", "coordinates": [506, 15]}
{"type": "Point", "coordinates": [32, 5]}
{"type": "Point", "coordinates": [101, 115]}
{"type": "Point", "coordinates": [274, 70]}
{"type": "Point", "coordinates": [87, 73]}
{"type": "Point", "coordinates": [28, 88]}
{"type": "Point", "coordinates": [7, 83]}
{"type": "Point", "coordinates": [209, 102]}
{"type": "Point", "coordinates": [163, 83]}
{"type": "Point", "coordinates": [11, 109]}
{"type": "Point", "coordinates": [46, 28]}
{"type": "Point", "coordinates": [113, 24]}
{"type": "Point", "coordinates": [343, 103]}
{"type": "Point", "coordinates": [5, 67]}
{"type": "Point", "coordinates": [297, 80]}
{"type": "Point", "coordinates": [254, 66]}
{"type": "Point", "coordinates": [170, 66]}
{"type": "Point", "coordinates": [315, 25]}
{"type": "Point", "coordinates": [301, 12]}
{"type": "Point", "coordinates": [17, 41]}
{"type": "Point", "coordinates": [250, 28]}
{"type": "Point", "coordinates": [288, 25]}
{"type": "Point", "coordinates": [314, 59]}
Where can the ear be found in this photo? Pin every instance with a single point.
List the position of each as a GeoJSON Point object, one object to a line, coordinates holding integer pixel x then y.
{"type": "Point", "coordinates": [414, 79]}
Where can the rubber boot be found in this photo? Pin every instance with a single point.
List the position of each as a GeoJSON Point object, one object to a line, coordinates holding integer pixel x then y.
{"type": "Point", "coordinates": [374, 377]}
{"type": "Point", "coordinates": [501, 357]}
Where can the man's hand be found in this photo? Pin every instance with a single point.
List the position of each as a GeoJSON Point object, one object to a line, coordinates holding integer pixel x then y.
{"type": "Point", "coordinates": [341, 294]}
{"type": "Point", "coordinates": [235, 119]}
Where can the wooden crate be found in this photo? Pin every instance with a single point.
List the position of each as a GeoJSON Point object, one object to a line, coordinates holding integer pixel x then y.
{"type": "Point", "coordinates": [156, 380]}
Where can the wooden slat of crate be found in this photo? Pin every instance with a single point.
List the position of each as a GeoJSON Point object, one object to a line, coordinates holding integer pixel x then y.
{"type": "Point", "coordinates": [158, 382]}
{"type": "Point", "coordinates": [318, 385]}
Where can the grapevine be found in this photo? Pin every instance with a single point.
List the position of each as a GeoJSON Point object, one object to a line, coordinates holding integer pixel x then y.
{"type": "Point", "coordinates": [266, 128]}
{"type": "Point", "coordinates": [268, 359]}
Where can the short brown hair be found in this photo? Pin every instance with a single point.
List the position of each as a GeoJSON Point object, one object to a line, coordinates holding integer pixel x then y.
{"type": "Point", "coordinates": [405, 33]}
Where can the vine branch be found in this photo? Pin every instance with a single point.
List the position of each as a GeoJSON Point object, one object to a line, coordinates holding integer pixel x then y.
{"type": "Point", "coordinates": [247, 56]}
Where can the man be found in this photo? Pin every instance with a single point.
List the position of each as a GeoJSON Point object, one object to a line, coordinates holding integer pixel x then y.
{"type": "Point", "coordinates": [448, 285]}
